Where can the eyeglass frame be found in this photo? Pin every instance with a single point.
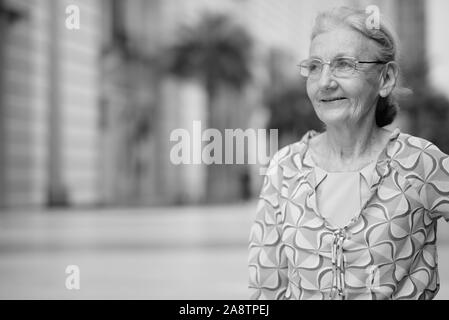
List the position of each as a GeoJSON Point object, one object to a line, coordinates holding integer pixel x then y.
{"type": "Point", "coordinates": [329, 62]}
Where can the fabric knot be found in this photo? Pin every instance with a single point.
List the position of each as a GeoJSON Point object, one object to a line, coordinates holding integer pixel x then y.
{"type": "Point", "coordinates": [338, 291]}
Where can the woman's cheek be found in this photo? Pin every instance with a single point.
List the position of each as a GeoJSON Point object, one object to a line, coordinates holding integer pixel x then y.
{"type": "Point", "coordinates": [310, 91]}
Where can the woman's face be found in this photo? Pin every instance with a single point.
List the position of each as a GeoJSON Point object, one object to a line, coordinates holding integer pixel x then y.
{"type": "Point", "coordinates": [358, 93]}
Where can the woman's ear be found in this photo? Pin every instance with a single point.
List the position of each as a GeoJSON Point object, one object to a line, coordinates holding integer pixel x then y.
{"type": "Point", "coordinates": [389, 79]}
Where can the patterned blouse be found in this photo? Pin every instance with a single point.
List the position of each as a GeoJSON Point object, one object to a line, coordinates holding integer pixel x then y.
{"type": "Point", "coordinates": [387, 251]}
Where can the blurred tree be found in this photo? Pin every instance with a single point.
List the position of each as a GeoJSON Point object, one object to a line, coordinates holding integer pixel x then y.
{"type": "Point", "coordinates": [427, 113]}
{"type": "Point", "coordinates": [217, 52]}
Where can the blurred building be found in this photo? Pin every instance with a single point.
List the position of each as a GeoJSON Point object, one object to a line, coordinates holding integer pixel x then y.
{"type": "Point", "coordinates": [86, 114]}
{"type": "Point", "coordinates": [49, 103]}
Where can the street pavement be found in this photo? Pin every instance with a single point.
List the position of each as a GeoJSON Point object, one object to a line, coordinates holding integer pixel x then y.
{"type": "Point", "coordinates": [149, 253]}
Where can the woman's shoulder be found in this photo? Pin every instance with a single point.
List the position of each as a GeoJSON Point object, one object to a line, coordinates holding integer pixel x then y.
{"type": "Point", "coordinates": [417, 153]}
{"type": "Point", "coordinates": [292, 154]}
{"type": "Point", "coordinates": [410, 144]}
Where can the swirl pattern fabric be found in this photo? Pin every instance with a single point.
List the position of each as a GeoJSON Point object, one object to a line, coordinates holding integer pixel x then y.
{"type": "Point", "coordinates": [388, 251]}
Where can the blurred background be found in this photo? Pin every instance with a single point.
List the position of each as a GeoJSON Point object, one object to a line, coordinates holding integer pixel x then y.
{"type": "Point", "coordinates": [85, 122]}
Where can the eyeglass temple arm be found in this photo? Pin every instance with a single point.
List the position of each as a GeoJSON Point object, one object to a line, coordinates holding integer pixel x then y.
{"type": "Point", "coordinates": [377, 61]}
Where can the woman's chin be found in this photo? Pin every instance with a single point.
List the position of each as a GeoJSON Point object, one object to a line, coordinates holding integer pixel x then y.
{"type": "Point", "coordinates": [333, 117]}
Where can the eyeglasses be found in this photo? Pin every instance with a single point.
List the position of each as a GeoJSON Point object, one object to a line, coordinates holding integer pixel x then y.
{"type": "Point", "coordinates": [341, 67]}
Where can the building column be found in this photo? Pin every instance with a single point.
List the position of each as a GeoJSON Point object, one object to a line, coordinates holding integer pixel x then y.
{"type": "Point", "coordinates": [57, 194]}
{"type": "Point", "coordinates": [3, 139]}
{"type": "Point", "coordinates": [412, 35]}
{"type": "Point", "coordinates": [7, 17]}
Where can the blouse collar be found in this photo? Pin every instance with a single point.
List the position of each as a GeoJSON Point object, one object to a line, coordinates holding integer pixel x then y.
{"type": "Point", "coordinates": [381, 167]}
{"type": "Point", "coordinates": [320, 174]}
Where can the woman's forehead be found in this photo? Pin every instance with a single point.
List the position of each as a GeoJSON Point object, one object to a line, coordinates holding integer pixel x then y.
{"type": "Point", "coordinates": [341, 42]}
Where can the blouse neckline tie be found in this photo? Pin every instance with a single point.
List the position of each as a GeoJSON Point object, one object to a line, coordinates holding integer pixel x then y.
{"type": "Point", "coordinates": [338, 291]}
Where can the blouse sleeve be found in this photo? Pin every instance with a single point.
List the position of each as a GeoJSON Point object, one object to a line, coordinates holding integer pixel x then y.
{"type": "Point", "coordinates": [267, 262]}
{"type": "Point", "coordinates": [435, 188]}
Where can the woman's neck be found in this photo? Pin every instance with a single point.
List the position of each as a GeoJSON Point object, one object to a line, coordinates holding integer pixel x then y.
{"type": "Point", "coordinates": [346, 143]}
{"type": "Point", "coordinates": [346, 147]}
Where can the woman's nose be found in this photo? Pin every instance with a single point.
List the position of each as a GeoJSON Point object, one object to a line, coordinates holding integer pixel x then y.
{"type": "Point", "coordinates": [326, 80]}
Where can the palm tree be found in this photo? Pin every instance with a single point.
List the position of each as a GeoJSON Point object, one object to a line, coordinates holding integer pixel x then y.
{"type": "Point", "coordinates": [217, 52]}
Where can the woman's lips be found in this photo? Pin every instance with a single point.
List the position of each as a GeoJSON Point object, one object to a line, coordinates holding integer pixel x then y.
{"type": "Point", "coordinates": [332, 99]}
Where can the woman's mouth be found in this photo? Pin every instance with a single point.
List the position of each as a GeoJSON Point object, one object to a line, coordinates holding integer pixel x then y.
{"type": "Point", "coordinates": [332, 99]}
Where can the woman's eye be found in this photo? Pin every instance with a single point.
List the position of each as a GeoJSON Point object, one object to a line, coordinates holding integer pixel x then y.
{"type": "Point", "coordinates": [314, 66]}
{"type": "Point", "coordinates": [344, 64]}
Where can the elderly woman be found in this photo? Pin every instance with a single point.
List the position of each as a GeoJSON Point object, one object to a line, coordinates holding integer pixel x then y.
{"type": "Point", "coordinates": [350, 213]}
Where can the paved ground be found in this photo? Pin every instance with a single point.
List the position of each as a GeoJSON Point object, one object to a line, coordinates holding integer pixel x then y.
{"type": "Point", "coordinates": [157, 253]}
